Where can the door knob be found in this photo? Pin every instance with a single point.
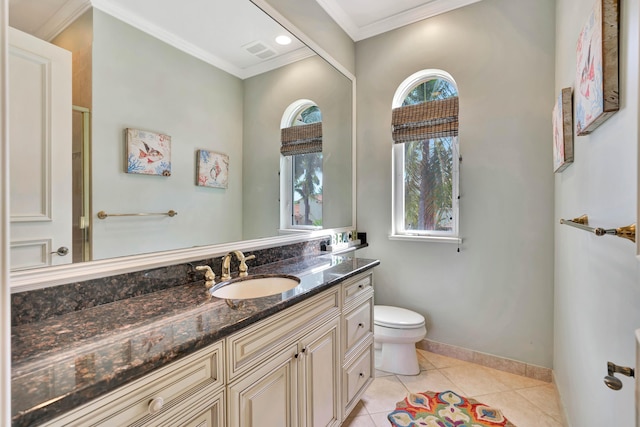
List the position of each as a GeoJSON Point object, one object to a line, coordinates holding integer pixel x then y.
{"type": "Point", "coordinates": [62, 251]}
{"type": "Point", "coordinates": [611, 380]}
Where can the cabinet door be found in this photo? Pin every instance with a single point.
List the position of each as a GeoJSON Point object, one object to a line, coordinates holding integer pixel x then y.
{"type": "Point", "coordinates": [320, 376]}
{"type": "Point", "coordinates": [267, 396]}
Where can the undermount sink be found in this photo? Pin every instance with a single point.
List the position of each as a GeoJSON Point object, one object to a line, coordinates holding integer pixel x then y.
{"type": "Point", "coordinates": [260, 285]}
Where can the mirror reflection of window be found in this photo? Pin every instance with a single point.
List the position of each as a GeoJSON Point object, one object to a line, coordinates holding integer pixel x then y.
{"type": "Point", "coordinates": [301, 174]}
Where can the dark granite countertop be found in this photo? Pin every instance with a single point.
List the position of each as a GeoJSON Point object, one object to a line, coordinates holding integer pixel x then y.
{"type": "Point", "coordinates": [65, 361]}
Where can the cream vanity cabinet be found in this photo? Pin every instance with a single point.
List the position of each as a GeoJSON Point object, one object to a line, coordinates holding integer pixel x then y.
{"type": "Point", "coordinates": [306, 366]}
{"type": "Point", "coordinates": [285, 370]}
{"type": "Point", "coordinates": [357, 339]}
{"type": "Point", "coordinates": [188, 392]}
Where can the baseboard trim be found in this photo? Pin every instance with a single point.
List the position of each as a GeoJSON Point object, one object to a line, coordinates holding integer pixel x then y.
{"type": "Point", "coordinates": [488, 360]}
{"type": "Point", "coordinates": [563, 409]}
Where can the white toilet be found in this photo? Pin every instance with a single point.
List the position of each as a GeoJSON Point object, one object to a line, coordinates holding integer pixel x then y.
{"type": "Point", "coordinates": [396, 331]}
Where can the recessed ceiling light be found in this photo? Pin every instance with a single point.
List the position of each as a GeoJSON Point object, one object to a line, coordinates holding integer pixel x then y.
{"type": "Point", "coordinates": [283, 40]}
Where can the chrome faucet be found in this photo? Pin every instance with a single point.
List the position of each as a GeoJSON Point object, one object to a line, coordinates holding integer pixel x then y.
{"type": "Point", "coordinates": [226, 265]}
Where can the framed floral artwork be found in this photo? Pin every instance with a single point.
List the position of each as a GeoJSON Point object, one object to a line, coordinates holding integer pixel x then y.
{"type": "Point", "coordinates": [148, 153]}
{"type": "Point", "coordinates": [596, 95]}
{"type": "Point", "coordinates": [562, 131]}
{"type": "Point", "coordinates": [213, 169]}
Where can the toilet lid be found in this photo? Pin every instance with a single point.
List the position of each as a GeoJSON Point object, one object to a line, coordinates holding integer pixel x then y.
{"type": "Point", "coordinates": [396, 317]}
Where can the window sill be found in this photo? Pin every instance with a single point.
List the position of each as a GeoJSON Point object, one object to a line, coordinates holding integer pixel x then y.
{"type": "Point", "coordinates": [431, 239]}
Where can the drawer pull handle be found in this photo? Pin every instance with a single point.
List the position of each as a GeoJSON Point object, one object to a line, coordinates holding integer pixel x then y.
{"type": "Point", "coordinates": [361, 375]}
{"type": "Point", "coordinates": [360, 325]}
{"type": "Point", "coordinates": [155, 405]}
{"type": "Point", "coordinates": [304, 349]}
{"type": "Point", "coordinates": [296, 355]}
{"type": "Point", "coordinates": [360, 286]}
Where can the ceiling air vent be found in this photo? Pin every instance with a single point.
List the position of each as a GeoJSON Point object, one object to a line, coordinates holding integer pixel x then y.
{"type": "Point", "coordinates": [259, 49]}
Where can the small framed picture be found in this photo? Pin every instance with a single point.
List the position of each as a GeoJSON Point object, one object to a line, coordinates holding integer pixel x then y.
{"type": "Point", "coordinates": [213, 169]}
{"type": "Point", "coordinates": [148, 153]}
{"type": "Point", "coordinates": [562, 131]}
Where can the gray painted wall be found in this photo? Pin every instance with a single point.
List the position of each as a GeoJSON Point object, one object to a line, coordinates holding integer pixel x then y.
{"type": "Point", "coordinates": [143, 83]}
{"type": "Point", "coordinates": [496, 295]}
{"type": "Point", "coordinates": [266, 98]}
{"type": "Point", "coordinates": [597, 286]}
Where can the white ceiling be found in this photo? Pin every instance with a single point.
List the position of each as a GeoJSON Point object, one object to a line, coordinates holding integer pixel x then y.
{"type": "Point", "coordinates": [362, 19]}
{"type": "Point", "coordinates": [219, 31]}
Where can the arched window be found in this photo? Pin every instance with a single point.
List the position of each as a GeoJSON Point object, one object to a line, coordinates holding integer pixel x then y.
{"type": "Point", "coordinates": [301, 166]}
{"type": "Point", "coordinates": [426, 157]}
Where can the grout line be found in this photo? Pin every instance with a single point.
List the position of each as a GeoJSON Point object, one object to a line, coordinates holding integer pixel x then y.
{"type": "Point", "coordinates": [509, 389]}
{"type": "Point", "coordinates": [541, 409]}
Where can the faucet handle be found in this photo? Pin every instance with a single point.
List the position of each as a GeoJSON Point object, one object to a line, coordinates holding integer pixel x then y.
{"type": "Point", "coordinates": [243, 269]}
{"type": "Point", "coordinates": [209, 275]}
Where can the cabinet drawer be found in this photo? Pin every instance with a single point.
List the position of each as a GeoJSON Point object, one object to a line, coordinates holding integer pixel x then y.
{"type": "Point", "coordinates": [208, 407]}
{"type": "Point", "coordinates": [130, 404]}
{"type": "Point", "coordinates": [357, 376]}
{"type": "Point", "coordinates": [356, 286]}
{"type": "Point", "coordinates": [245, 348]}
{"type": "Point", "coordinates": [357, 325]}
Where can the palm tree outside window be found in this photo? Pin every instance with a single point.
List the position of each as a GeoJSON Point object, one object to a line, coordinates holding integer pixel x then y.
{"type": "Point", "coordinates": [301, 170]}
{"type": "Point", "coordinates": [426, 156]}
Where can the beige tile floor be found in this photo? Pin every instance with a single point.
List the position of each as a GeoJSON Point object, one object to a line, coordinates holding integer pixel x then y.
{"type": "Point", "coordinates": [524, 401]}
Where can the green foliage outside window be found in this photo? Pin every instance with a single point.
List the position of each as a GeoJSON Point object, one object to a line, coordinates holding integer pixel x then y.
{"type": "Point", "coordinates": [307, 176]}
{"type": "Point", "coordinates": [428, 174]}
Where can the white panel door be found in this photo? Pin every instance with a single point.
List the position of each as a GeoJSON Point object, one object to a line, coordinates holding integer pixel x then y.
{"type": "Point", "coordinates": [40, 152]}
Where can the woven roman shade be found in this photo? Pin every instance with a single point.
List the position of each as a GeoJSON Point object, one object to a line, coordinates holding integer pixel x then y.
{"type": "Point", "coordinates": [301, 139]}
{"type": "Point", "coordinates": [428, 120]}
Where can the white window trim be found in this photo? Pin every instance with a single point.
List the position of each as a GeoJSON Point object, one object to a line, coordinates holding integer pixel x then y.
{"type": "Point", "coordinates": [420, 238]}
{"type": "Point", "coordinates": [292, 111]}
{"type": "Point", "coordinates": [397, 173]}
{"type": "Point", "coordinates": [286, 173]}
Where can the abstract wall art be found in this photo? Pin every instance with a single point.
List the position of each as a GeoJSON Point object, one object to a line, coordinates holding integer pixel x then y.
{"type": "Point", "coordinates": [596, 95]}
{"type": "Point", "coordinates": [562, 131]}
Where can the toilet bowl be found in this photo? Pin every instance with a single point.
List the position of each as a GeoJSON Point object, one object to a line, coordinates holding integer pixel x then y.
{"type": "Point", "coordinates": [396, 331]}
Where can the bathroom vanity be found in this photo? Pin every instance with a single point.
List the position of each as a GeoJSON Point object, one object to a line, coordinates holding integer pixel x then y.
{"type": "Point", "coordinates": [177, 357]}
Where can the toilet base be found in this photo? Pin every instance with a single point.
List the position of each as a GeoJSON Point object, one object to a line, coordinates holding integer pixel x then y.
{"type": "Point", "coordinates": [397, 358]}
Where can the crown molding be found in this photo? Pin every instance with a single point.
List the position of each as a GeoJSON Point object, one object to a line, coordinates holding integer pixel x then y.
{"type": "Point", "coordinates": [171, 39]}
{"type": "Point", "coordinates": [433, 8]}
{"type": "Point", "coordinates": [337, 13]}
{"type": "Point", "coordinates": [160, 33]}
{"type": "Point", "coordinates": [279, 61]}
{"type": "Point", "coordinates": [68, 13]}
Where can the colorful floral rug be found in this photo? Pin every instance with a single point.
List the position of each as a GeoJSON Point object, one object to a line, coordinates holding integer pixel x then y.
{"type": "Point", "coordinates": [445, 409]}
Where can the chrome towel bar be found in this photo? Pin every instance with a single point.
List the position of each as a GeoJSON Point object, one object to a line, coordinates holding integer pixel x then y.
{"type": "Point", "coordinates": [582, 222]}
{"type": "Point", "coordinates": [103, 214]}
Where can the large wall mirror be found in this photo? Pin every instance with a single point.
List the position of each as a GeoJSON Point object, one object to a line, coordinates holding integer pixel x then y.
{"type": "Point", "coordinates": [209, 77]}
